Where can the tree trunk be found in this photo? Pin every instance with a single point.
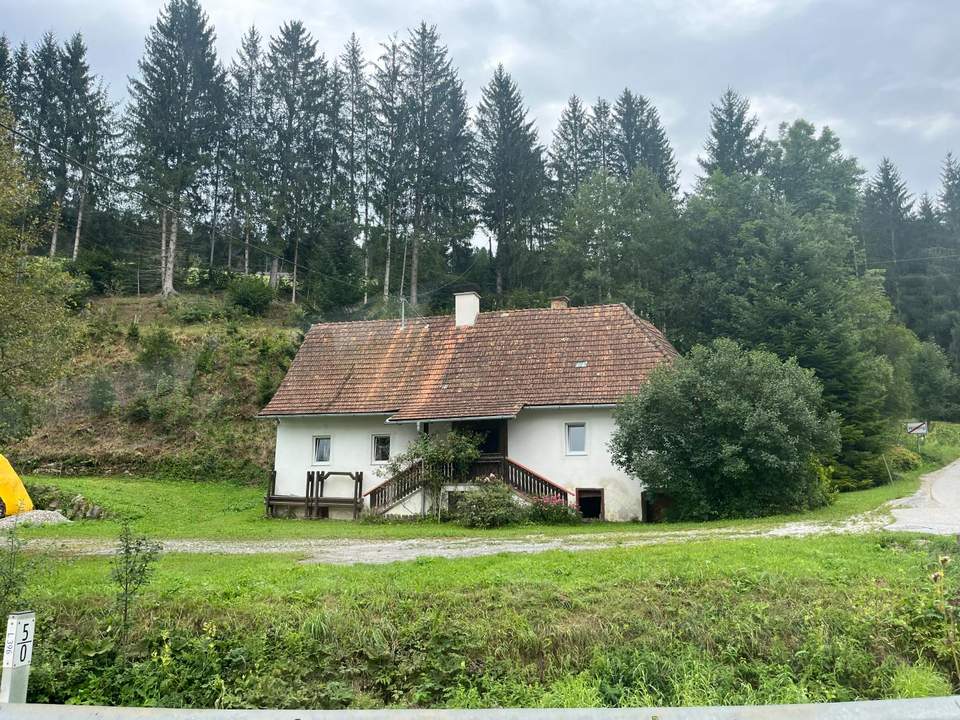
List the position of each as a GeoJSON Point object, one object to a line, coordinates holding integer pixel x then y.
{"type": "Point", "coordinates": [56, 228]}
{"type": "Point", "coordinates": [296, 259]}
{"type": "Point", "coordinates": [76, 232]}
{"type": "Point", "coordinates": [274, 270]}
{"type": "Point", "coordinates": [414, 263]}
{"type": "Point", "coordinates": [216, 210]}
{"type": "Point", "coordinates": [167, 290]}
{"type": "Point", "coordinates": [366, 268]}
{"type": "Point", "coordinates": [386, 272]}
{"type": "Point", "coordinates": [246, 248]}
{"type": "Point", "coordinates": [163, 245]}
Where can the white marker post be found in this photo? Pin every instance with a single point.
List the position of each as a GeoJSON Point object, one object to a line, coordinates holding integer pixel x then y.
{"type": "Point", "coordinates": [17, 653]}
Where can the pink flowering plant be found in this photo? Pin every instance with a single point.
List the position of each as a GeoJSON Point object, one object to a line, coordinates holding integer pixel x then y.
{"type": "Point", "coordinates": [552, 510]}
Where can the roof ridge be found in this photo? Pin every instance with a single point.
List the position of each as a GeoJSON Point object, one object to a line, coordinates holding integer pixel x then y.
{"type": "Point", "coordinates": [421, 319]}
{"type": "Point", "coordinates": [651, 331]}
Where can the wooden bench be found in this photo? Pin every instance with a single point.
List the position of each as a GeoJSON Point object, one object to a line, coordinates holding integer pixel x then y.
{"type": "Point", "coordinates": [315, 504]}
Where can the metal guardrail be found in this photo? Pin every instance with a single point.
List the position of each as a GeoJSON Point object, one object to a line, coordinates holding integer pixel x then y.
{"type": "Point", "coordinates": [946, 708]}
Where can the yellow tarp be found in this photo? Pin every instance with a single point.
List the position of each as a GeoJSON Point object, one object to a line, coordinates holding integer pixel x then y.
{"type": "Point", "coordinates": [12, 492]}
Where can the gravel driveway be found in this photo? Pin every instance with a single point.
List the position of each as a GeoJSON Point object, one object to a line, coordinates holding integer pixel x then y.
{"type": "Point", "coordinates": [934, 508]}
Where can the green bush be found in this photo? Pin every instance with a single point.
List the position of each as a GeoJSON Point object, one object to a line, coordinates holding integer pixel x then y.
{"type": "Point", "coordinates": [726, 432]}
{"type": "Point", "coordinates": [197, 309]}
{"type": "Point", "coordinates": [138, 411]}
{"type": "Point", "coordinates": [250, 294]}
{"type": "Point", "coordinates": [903, 459]}
{"type": "Point", "coordinates": [158, 350]}
{"type": "Point", "coordinates": [102, 397]}
{"type": "Point", "coordinates": [551, 510]}
{"type": "Point", "coordinates": [491, 505]}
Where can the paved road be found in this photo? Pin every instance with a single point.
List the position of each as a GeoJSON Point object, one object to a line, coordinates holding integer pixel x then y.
{"type": "Point", "coordinates": [935, 508]}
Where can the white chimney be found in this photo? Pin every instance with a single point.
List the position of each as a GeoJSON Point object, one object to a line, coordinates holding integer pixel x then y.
{"type": "Point", "coordinates": [560, 302]}
{"type": "Point", "coordinates": [467, 308]}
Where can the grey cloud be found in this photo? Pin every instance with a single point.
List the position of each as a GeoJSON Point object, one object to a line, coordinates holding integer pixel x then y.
{"type": "Point", "coordinates": [884, 73]}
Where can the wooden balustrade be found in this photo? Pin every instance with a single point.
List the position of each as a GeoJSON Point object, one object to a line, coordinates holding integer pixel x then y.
{"type": "Point", "coordinates": [522, 479]}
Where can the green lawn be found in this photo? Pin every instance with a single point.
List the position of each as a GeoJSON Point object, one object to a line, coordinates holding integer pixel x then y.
{"type": "Point", "coordinates": [725, 621]}
{"type": "Point", "coordinates": [215, 510]}
{"type": "Point", "coordinates": [166, 509]}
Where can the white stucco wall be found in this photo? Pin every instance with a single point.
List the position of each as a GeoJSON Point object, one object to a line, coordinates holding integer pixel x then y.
{"type": "Point", "coordinates": [351, 449]}
{"type": "Point", "coordinates": [537, 438]}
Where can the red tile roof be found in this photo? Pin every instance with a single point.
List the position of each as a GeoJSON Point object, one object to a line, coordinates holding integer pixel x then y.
{"type": "Point", "coordinates": [431, 369]}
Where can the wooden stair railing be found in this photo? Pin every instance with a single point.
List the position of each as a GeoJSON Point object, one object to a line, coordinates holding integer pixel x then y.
{"type": "Point", "coordinates": [522, 479]}
{"type": "Point", "coordinates": [530, 483]}
{"type": "Point", "coordinates": [400, 486]}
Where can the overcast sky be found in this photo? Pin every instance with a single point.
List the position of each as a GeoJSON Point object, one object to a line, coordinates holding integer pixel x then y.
{"type": "Point", "coordinates": [884, 74]}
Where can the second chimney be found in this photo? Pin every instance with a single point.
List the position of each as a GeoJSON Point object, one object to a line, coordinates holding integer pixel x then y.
{"type": "Point", "coordinates": [467, 308]}
{"type": "Point", "coordinates": [560, 302]}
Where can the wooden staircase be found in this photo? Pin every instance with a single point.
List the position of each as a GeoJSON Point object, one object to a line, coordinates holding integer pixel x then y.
{"type": "Point", "coordinates": [523, 480]}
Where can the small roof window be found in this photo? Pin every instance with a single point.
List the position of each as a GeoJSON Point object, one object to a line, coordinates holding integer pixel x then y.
{"type": "Point", "coordinates": [580, 363]}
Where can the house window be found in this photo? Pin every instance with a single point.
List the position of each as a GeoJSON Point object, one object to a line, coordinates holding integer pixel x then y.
{"type": "Point", "coordinates": [576, 438]}
{"type": "Point", "coordinates": [381, 448]}
{"type": "Point", "coordinates": [321, 449]}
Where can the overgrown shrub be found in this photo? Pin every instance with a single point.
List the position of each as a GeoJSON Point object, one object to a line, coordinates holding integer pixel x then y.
{"type": "Point", "coordinates": [197, 309]}
{"type": "Point", "coordinates": [552, 510]}
{"type": "Point", "coordinates": [133, 333]}
{"type": "Point", "coordinates": [445, 460]}
{"type": "Point", "coordinates": [903, 459]}
{"type": "Point", "coordinates": [491, 505]}
{"type": "Point", "coordinates": [101, 397]}
{"type": "Point", "coordinates": [138, 411]}
{"type": "Point", "coordinates": [250, 294]}
{"type": "Point", "coordinates": [727, 432]}
{"type": "Point", "coordinates": [158, 350]}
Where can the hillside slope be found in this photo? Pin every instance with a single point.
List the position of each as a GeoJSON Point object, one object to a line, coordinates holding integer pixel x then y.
{"type": "Point", "coordinates": [165, 389]}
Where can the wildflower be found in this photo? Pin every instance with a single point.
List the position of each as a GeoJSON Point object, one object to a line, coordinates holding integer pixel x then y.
{"type": "Point", "coordinates": [937, 576]}
{"type": "Point", "coordinates": [944, 560]}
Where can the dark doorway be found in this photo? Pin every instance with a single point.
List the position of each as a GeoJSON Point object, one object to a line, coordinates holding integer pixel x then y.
{"type": "Point", "coordinates": [590, 503]}
{"type": "Point", "coordinates": [494, 433]}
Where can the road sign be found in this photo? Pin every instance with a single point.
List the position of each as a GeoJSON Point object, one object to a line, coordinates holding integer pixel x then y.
{"type": "Point", "coordinates": [915, 427]}
{"type": "Point", "coordinates": [17, 653]}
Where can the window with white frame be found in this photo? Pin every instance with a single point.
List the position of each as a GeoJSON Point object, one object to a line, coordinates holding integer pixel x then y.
{"type": "Point", "coordinates": [321, 449]}
{"type": "Point", "coordinates": [381, 448]}
{"type": "Point", "coordinates": [576, 433]}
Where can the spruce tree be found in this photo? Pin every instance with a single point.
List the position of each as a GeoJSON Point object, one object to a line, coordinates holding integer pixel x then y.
{"type": "Point", "coordinates": [357, 128]}
{"type": "Point", "coordinates": [248, 138]}
{"type": "Point", "coordinates": [437, 132]}
{"type": "Point", "coordinates": [6, 67]}
{"type": "Point", "coordinates": [569, 160]}
{"type": "Point", "coordinates": [600, 138]}
{"type": "Point", "coordinates": [510, 175]}
{"type": "Point", "coordinates": [733, 145]}
{"type": "Point", "coordinates": [886, 212]}
{"type": "Point", "coordinates": [640, 139]}
{"type": "Point", "coordinates": [949, 198]}
{"type": "Point", "coordinates": [295, 83]}
{"type": "Point", "coordinates": [18, 86]}
{"type": "Point", "coordinates": [87, 127]}
{"type": "Point", "coordinates": [390, 161]}
{"type": "Point", "coordinates": [628, 119]}
{"type": "Point", "coordinates": [174, 116]}
{"type": "Point", "coordinates": [44, 118]}
{"type": "Point", "coordinates": [656, 153]}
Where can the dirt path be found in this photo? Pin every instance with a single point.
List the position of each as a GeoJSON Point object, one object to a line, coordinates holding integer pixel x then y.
{"type": "Point", "coordinates": [934, 508]}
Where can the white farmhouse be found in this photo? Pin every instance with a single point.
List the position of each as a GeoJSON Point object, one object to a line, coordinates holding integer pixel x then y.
{"type": "Point", "coordinates": [539, 385]}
